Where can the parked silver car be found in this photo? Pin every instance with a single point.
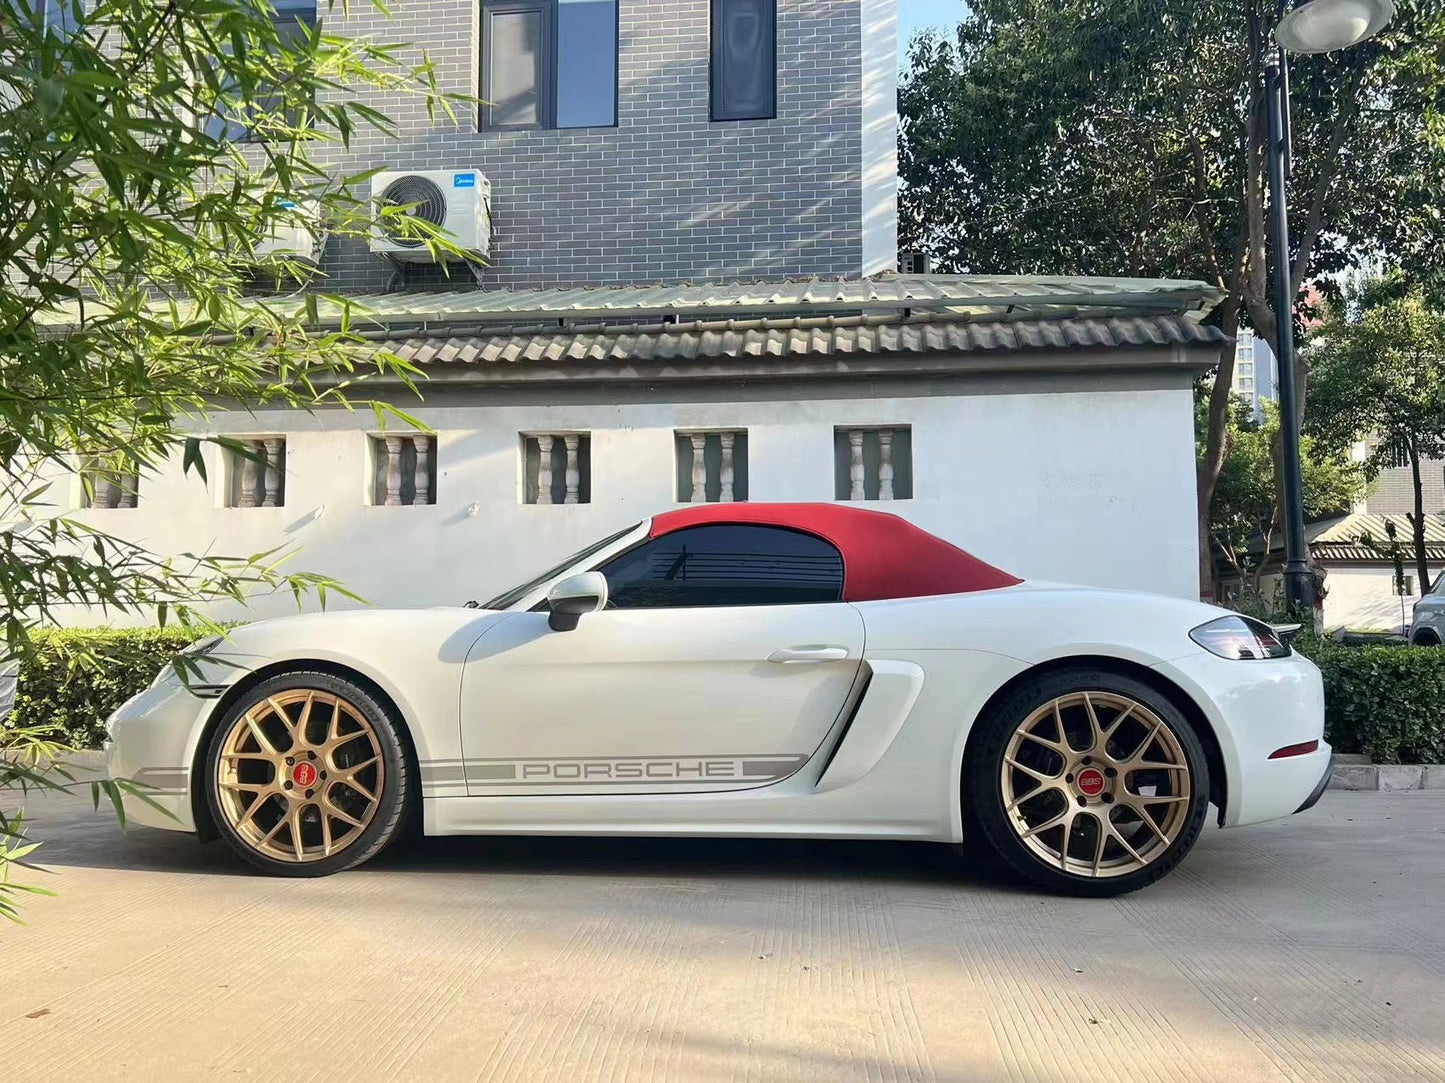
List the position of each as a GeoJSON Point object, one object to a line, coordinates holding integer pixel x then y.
{"type": "Point", "coordinates": [1427, 627]}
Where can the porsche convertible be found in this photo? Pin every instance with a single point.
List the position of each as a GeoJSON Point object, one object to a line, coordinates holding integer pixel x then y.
{"type": "Point", "coordinates": [798, 670]}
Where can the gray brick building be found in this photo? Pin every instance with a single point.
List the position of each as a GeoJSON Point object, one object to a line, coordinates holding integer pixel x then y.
{"type": "Point", "coordinates": [668, 192]}
{"type": "Point", "coordinates": [1393, 491]}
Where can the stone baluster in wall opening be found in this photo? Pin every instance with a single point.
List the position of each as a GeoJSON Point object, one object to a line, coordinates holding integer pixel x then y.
{"type": "Point", "coordinates": [102, 489]}
{"type": "Point", "coordinates": [574, 475]}
{"type": "Point", "coordinates": [885, 464]}
{"type": "Point", "coordinates": [421, 494]}
{"type": "Point", "coordinates": [725, 474]}
{"type": "Point", "coordinates": [129, 483]}
{"type": "Point", "coordinates": [544, 469]}
{"type": "Point", "coordinates": [855, 464]}
{"type": "Point", "coordinates": [393, 472]}
{"type": "Point", "coordinates": [250, 473]}
{"type": "Point", "coordinates": [273, 448]}
{"type": "Point", "coordinates": [699, 467]}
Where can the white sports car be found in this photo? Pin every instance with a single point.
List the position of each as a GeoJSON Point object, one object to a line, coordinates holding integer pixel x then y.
{"type": "Point", "coordinates": [742, 669]}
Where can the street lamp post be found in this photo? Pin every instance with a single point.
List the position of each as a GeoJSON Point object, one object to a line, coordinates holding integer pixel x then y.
{"type": "Point", "coordinates": [1315, 26]}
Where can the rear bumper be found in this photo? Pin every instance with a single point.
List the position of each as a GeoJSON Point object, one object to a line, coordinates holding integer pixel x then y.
{"type": "Point", "coordinates": [1317, 792]}
{"type": "Point", "coordinates": [1256, 708]}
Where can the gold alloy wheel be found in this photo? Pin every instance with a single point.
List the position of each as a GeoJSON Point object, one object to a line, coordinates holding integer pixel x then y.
{"type": "Point", "coordinates": [300, 775]}
{"type": "Point", "coordinates": [1096, 784]}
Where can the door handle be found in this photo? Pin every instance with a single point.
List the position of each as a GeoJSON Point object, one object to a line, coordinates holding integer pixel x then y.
{"type": "Point", "coordinates": [791, 655]}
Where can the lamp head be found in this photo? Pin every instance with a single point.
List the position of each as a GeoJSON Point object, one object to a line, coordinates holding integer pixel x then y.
{"type": "Point", "coordinates": [1322, 26]}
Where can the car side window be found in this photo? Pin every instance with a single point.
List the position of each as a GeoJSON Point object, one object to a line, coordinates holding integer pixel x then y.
{"type": "Point", "coordinates": [725, 564]}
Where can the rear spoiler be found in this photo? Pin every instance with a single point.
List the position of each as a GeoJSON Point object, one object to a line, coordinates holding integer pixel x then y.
{"type": "Point", "coordinates": [1286, 632]}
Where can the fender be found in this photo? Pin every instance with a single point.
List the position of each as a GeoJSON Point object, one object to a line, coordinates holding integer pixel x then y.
{"type": "Point", "coordinates": [893, 689]}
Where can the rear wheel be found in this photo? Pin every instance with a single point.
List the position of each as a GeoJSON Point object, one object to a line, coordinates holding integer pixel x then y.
{"type": "Point", "coordinates": [1088, 782]}
{"type": "Point", "coordinates": [306, 775]}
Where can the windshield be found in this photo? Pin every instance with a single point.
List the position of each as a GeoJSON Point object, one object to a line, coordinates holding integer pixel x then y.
{"type": "Point", "coordinates": [516, 594]}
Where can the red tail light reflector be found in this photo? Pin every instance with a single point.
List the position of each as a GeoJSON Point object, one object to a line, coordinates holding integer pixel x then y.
{"type": "Point", "coordinates": [1304, 748]}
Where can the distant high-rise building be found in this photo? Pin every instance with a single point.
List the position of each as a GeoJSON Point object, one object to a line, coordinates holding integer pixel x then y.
{"type": "Point", "coordinates": [1256, 377]}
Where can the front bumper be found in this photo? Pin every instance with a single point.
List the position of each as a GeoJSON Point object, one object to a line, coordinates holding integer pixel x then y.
{"type": "Point", "coordinates": [152, 739]}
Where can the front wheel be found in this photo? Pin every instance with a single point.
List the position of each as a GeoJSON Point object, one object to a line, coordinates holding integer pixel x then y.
{"type": "Point", "coordinates": [1087, 782]}
{"type": "Point", "coordinates": [305, 775]}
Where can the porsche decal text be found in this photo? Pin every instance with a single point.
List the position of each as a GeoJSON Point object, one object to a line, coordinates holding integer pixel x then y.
{"type": "Point", "coordinates": [649, 770]}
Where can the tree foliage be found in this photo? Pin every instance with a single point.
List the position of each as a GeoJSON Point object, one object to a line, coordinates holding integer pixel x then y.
{"type": "Point", "coordinates": [1128, 137]}
{"type": "Point", "coordinates": [130, 214]}
{"type": "Point", "coordinates": [1379, 375]}
{"type": "Point", "coordinates": [1244, 524]}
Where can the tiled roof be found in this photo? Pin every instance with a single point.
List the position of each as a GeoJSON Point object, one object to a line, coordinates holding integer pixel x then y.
{"type": "Point", "coordinates": [1344, 539]}
{"type": "Point", "coordinates": [825, 336]}
{"type": "Point", "coordinates": [965, 296]}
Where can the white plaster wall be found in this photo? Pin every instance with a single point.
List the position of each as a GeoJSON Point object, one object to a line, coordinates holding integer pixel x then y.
{"type": "Point", "coordinates": [1365, 598]}
{"type": "Point", "coordinates": [880, 135]}
{"type": "Point", "coordinates": [1091, 487]}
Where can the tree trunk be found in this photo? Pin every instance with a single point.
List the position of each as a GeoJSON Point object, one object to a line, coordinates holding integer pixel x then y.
{"type": "Point", "coordinates": [1216, 444]}
{"type": "Point", "coordinates": [1422, 566]}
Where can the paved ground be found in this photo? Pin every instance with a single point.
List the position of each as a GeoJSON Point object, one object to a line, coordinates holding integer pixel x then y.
{"type": "Point", "coordinates": [1313, 948]}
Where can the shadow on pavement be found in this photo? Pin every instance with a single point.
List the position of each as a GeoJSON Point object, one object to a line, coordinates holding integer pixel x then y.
{"type": "Point", "coordinates": [96, 842]}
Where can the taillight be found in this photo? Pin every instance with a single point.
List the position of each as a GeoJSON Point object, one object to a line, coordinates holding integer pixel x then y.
{"type": "Point", "coordinates": [1239, 637]}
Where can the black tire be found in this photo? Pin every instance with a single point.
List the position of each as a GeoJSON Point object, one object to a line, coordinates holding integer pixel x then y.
{"type": "Point", "coordinates": [388, 815]}
{"type": "Point", "coordinates": [984, 801]}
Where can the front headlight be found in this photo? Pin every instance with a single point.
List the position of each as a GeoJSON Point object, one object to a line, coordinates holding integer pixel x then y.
{"type": "Point", "coordinates": [198, 649]}
{"type": "Point", "coordinates": [204, 646]}
{"type": "Point", "coordinates": [1239, 637]}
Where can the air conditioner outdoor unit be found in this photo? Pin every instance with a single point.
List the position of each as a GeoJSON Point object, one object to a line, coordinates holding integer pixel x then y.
{"type": "Point", "coordinates": [289, 240]}
{"type": "Point", "coordinates": [457, 200]}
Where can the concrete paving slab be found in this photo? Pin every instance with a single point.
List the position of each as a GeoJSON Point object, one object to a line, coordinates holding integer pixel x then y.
{"type": "Point", "coordinates": [1311, 948]}
{"type": "Point", "coordinates": [1401, 776]}
{"type": "Point", "coordinates": [1350, 776]}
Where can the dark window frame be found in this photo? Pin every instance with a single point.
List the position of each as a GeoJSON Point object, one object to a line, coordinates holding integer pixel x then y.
{"type": "Point", "coordinates": [238, 129]}
{"type": "Point", "coordinates": [548, 109]}
{"type": "Point", "coordinates": [662, 538]}
{"type": "Point", "coordinates": [712, 66]}
{"type": "Point", "coordinates": [547, 76]}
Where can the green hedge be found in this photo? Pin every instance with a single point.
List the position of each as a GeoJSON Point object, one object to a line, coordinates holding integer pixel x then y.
{"type": "Point", "coordinates": [60, 691]}
{"type": "Point", "coordinates": [1386, 701]}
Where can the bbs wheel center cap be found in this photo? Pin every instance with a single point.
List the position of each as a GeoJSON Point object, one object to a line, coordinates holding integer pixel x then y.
{"type": "Point", "coordinates": [1090, 782]}
{"type": "Point", "coordinates": [304, 774]}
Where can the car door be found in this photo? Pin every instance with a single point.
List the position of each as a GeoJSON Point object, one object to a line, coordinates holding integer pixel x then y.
{"type": "Point", "coordinates": [724, 657]}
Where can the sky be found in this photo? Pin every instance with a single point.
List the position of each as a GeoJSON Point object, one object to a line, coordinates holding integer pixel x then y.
{"type": "Point", "coordinates": [915, 15]}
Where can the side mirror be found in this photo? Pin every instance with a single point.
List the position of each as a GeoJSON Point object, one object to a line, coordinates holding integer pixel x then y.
{"type": "Point", "coordinates": [574, 597]}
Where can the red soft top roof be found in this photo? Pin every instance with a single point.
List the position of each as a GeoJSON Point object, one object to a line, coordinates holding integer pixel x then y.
{"type": "Point", "coordinates": [884, 556]}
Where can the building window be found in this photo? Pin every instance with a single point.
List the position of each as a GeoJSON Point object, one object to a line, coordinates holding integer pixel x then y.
{"type": "Point", "coordinates": [725, 564]}
{"type": "Point", "coordinates": [549, 64]}
{"type": "Point", "coordinates": [712, 467]}
{"type": "Point", "coordinates": [256, 472]}
{"type": "Point", "coordinates": [403, 470]}
{"type": "Point", "coordinates": [744, 59]}
{"type": "Point", "coordinates": [556, 468]}
{"type": "Point", "coordinates": [1406, 585]}
{"type": "Point", "coordinates": [295, 19]}
{"type": "Point", "coordinates": [103, 485]}
{"type": "Point", "coordinates": [873, 464]}
{"type": "Point", "coordinates": [61, 17]}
